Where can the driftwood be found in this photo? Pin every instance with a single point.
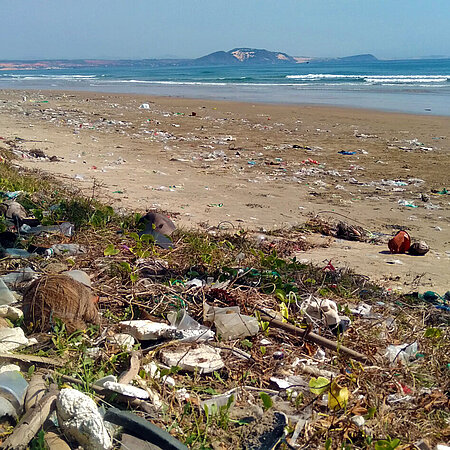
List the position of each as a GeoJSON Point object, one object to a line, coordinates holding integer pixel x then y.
{"type": "Point", "coordinates": [31, 422]}
{"type": "Point", "coordinates": [37, 388]}
{"type": "Point", "coordinates": [135, 364]}
{"type": "Point", "coordinates": [32, 359]}
{"type": "Point", "coordinates": [314, 338]}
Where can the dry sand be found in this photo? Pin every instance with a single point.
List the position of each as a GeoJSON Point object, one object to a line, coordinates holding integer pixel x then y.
{"type": "Point", "coordinates": [237, 162]}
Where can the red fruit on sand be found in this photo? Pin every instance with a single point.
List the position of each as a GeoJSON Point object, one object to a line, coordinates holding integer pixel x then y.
{"type": "Point", "coordinates": [400, 243]}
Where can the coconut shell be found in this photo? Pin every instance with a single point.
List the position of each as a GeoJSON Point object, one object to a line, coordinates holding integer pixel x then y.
{"type": "Point", "coordinates": [59, 297]}
{"type": "Point", "coordinates": [419, 248]}
{"type": "Point", "coordinates": [157, 222]}
{"type": "Point", "coordinates": [400, 243]}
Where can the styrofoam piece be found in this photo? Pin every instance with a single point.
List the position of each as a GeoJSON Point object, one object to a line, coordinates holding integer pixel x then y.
{"type": "Point", "coordinates": [146, 330]}
{"type": "Point", "coordinates": [79, 419]}
{"type": "Point", "coordinates": [203, 358]}
{"type": "Point", "coordinates": [123, 340]}
{"type": "Point", "coordinates": [126, 389]}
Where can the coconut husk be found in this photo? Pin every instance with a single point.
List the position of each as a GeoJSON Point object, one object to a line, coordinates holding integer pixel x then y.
{"type": "Point", "coordinates": [419, 248]}
{"type": "Point", "coordinates": [59, 297]}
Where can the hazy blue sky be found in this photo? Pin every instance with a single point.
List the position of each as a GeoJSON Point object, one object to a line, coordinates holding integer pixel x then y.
{"type": "Point", "coordinates": [181, 28]}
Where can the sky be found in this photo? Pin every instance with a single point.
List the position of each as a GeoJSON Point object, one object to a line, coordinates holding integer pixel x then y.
{"type": "Point", "coordinates": [135, 29]}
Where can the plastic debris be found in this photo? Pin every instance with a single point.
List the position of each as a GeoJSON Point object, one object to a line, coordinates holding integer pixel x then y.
{"type": "Point", "coordinates": [13, 388]}
{"type": "Point", "coordinates": [229, 322]}
{"type": "Point", "coordinates": [146, 330]}
{"type": "Point", "coordinates": [401, 353]}
{"type": "Point", "coordinates": [6, 296]}
{"type": "Point", "coordinates": [189, 328]}
{"type": "Point", "coordinates": [400, 243]}
{"type": "Point", "coordinates": [202, 358]}
{"type": "Point", "coordinates": [12, 338]}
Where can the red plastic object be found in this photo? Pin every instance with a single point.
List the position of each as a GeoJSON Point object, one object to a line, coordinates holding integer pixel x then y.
{"type": "Point", "coordinates": [400, 243]}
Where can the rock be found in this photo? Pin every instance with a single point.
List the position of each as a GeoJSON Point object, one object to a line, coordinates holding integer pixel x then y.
{"type": "Point", "coordinates": [79, 419]}
{"type": "Point", "coordinates": [10, 312]}
{"type": "Point", "coordinates": [359, 421]}
{"type": "Point", "coordinates": [9, 368]}
{"type": "Point", "coordinates": [203, 358]}
{"type": "Point", "coordinates": [146, 330]}
{"type": "Point", "coordinates": [419, 248]}
{"type": "Point", "coordinates": [126, 389]}
{"type": "Point", "coordinates": [123, 340]}
{"type": "Point", "coordinates": [6, 296]}
{"type": "Point", "coordinates": [12, 338]}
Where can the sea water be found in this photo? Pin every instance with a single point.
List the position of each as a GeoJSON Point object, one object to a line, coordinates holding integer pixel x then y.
{"type": "Point", "coordinates": [410, 86]}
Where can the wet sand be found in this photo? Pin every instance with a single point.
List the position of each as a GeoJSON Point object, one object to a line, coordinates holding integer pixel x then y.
{"type": "Point", "coordinates": [257, 166]}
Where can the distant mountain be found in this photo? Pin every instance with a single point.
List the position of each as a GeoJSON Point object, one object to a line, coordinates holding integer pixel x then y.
{"type": "Point", "coordinates": [358, 58]}
{"type": "Point", "coordinates": [237, 56]}
{"type": "Point", "coordinates": [245, 56]}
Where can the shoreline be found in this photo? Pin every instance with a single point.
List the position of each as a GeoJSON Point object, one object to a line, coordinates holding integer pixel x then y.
{"type": "Point", "coordinates": [250, 164]}
{"type": "Point", "coordinates": [161, 98]}
{"type": "Point", "coordinates": [230, 94]}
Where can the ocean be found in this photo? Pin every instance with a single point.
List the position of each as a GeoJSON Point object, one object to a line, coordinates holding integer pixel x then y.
{"type": "Point", "coordinates": [409, 86]}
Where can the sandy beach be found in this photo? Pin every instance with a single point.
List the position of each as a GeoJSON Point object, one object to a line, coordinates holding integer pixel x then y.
{"type": "Point", "coordinates": [255, 166]}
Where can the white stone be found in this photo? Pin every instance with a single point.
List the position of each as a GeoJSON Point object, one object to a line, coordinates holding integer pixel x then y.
{"type": "Point", "coordinates": [126, 389]}
{"type": "Point", "coordinates": [12, 338]}
{"type": "Point", "coordinates": [123, 340]}
{"type": "Point", "coordinates": [79, 419]}
{"type": "Point", "coordinates": [359, 421]}
{"type": "Point", "coordinates": [146, 330]}
{"type": "Point", "coordinates": [203, 358]}
{"type": "Point", "coordinates": [10, 312]}
{"type": "Point", "coordinates": [9, 368]}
